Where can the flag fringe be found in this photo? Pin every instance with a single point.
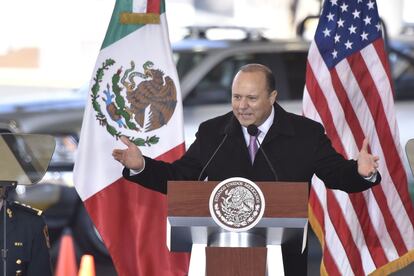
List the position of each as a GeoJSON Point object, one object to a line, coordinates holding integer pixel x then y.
{"type": "Point", "coordinates": [139, 18]}
{"type": "Point", "coordinates": [395, 265]}
{"type": "Point", "coordinates": [387, 269]}
{"type": "Point", "coordinates": [316, 227]}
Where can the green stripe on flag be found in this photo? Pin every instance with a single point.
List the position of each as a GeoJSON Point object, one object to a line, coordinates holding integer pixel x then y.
{"type": "Point", "coordinates": [116, 30]}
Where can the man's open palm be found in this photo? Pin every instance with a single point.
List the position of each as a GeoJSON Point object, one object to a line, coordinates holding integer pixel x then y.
{"type": "Point", "coordinates": [367, 163]}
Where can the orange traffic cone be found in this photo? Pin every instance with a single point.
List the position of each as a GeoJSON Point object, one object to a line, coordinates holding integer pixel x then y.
{"type": "Point", "coordinates": [87, 266]}
{"type": "Point", "coordinates": [66, 264]}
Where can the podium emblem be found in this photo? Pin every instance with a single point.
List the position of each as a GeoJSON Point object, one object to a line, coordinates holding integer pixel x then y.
{"type": "Point", "coordinates": [237, 204]}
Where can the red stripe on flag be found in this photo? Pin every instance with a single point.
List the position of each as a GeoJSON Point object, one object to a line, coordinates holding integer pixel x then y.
{"type": "Point", "coordinates": [173, 154]}
{"type": "Point", "coordinates": [392, 157]}
{"type": "Point", "coordinates": [366, 83]}
{"type": "Point", "coordinates": [153, 6]}
{"type": "Point", "coordinates": [371, 95]}
{"type": "Point", "coordinates": [320, 104]}
{"type": "Point", "coordinates": [134, 249]}
{"type": "Point", "coordinates": [318, 213]}
{"type": "Point", "coordinates": [349, 113]}
{"type": "Point", "coordinates": [329, 262]}
{"type": "Point", "coordinates": [317, 208]}
{"type": "Point", "coordinates": [379, 47]}
{"type": "Point", "coordinates": [137, 249]}
{"type": "Point", "coordinates": [357, 199]}
{"type": "Point", "coordinates": [344, 233]}
{"type": "Point", "coordinates": [334, 210]}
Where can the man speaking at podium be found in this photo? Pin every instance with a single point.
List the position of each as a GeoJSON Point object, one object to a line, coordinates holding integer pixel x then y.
{"type": "Point", "coordinates": [259, 141]}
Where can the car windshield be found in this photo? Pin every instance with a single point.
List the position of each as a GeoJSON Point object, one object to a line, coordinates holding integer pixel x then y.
{"type": "Point", "coordinates": [215, 86]}
{"type": "Point", "coordinates": [185, 61]}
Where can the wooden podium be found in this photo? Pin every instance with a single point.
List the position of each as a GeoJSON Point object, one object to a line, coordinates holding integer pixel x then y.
{"type": "Point", "coordinates": [215, 251]}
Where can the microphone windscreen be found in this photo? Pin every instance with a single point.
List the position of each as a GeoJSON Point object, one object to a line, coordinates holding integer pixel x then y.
{"type": "Point", "coordinates": [252, 130]}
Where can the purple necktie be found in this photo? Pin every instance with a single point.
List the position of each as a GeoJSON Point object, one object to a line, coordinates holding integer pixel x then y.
{"type": "Point", "coordinates": [253, 147]}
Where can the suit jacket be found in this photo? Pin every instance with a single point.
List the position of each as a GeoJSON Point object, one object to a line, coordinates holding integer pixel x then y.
{"type": "Point", "coordinates": [27, 241]}
{"type": "Point", "coordinates": [296, 146]}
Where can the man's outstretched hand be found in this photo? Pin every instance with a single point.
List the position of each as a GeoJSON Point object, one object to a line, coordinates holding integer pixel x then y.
{"type": "Point", "coordinates": [131, 157]}
{"type": "Point", "coordinates": [367, 163]}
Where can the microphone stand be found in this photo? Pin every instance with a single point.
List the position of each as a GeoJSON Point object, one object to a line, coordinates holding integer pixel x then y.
{"type": "Point", "coordinates": [6, 187]}
{"type": "Point", "coordinates": [253, 130]}
{"type": "Point", "coordinates": [267, 160]}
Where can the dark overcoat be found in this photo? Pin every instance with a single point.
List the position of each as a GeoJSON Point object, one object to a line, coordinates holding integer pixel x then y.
{"type": "Point", "coordinates": [296, 146]}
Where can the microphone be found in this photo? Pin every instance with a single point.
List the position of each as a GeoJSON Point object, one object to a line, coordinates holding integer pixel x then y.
{"type": "Point", "coordinates": [214, 153]}
{"type": "Point", "coordinates": [253, 130]}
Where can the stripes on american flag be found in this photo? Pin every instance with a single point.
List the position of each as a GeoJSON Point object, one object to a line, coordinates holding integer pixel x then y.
{"type": "Point", "coordinates": [348, 89]}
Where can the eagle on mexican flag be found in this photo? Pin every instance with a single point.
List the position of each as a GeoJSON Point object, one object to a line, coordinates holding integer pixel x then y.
{"type": "Point", "coordinates": [134, 92]}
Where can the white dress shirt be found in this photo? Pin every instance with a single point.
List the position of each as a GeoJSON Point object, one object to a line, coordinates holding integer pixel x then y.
{"type": "Point", "coordinates": [264, 128]}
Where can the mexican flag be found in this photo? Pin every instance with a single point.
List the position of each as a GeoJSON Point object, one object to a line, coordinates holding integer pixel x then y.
{"type": "Point", "coordinates": [134, 92]}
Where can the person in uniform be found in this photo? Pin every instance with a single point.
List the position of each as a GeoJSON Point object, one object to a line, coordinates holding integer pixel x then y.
{"type": "Point", "coordinates": [27, 241]}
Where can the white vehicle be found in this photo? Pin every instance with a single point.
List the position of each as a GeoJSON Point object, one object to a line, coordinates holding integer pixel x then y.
{"type": "Point", "coordinates": [206, 69]}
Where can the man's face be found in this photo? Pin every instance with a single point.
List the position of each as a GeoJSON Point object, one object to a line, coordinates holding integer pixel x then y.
{"type": "Point", "coordinates": [251, 101]}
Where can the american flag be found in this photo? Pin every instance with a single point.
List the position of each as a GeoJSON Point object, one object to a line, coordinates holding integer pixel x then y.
{"type": "Point", "coordinates": [348, 89]}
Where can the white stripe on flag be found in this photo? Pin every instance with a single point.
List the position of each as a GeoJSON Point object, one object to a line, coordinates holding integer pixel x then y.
{"type": "Point", "coordinates": [139, 6]}
{"type": "Point", "coordinates": [354, 97]}
{"type": "Point", "coordinates": [359, 105]}
{"type": "Point", "coordinates": [380, 228]}
{"type": "Point", "coordinates": [309, 109]}
{"type": "Point", "coordinates": [355, 228]}
{"type": "Point", "coordinates": [332, 241]}
{"type": "Point", "coordinates": [106, 169]}
{"type": "Point", "coordinates": [377, 219]}
{"type": "Point", "coordinates": [380, 77]}
{"type": "Point", "coordinates": [347, 138]}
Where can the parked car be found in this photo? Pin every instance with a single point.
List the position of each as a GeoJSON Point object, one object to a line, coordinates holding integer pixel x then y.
{"type": "Point", "coordinates": [206, 68]}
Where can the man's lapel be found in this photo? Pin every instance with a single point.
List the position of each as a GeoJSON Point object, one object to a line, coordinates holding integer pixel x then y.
{"type": "Point", "coordinates": [281, 125]}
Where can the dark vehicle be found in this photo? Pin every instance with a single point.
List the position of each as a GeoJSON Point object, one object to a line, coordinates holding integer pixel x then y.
{"type": "Point", "coordinates": [206, 68]}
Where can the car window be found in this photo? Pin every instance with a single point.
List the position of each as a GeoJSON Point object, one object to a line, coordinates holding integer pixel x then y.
{"type": "Point", "coordinates": [185, 61]}
{"type": "Point", "coordinates": [402, 68]}
{"type": "Point", "coordinates": [215, 87]}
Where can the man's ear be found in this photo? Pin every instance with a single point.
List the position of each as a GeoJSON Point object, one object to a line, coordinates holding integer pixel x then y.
{"type": "Point", "coordinates": [273, 96]}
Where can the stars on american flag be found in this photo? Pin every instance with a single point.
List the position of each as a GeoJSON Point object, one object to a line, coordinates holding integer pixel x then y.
{"type": "Point", "coordinates": [330, 17]}
{"type": "Point", "coordinates": [356, 13]}
{"type": "Point", "coordinates": [352, 29]}
{"type": "Point", "coordinates": [367, 20]}
{"type": "Point", "coordinates": [364, 36]}
{"type": "Point", "coordinates": [337, 38]}
{"type": "Point", "coordinates": [348, 44]}
{"type": "Point", "coordinates": [346, 26]}
{"type": "Point", "coordinates": [370, 5]}
{"type": "Point", "coordinates": [326, 32]}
